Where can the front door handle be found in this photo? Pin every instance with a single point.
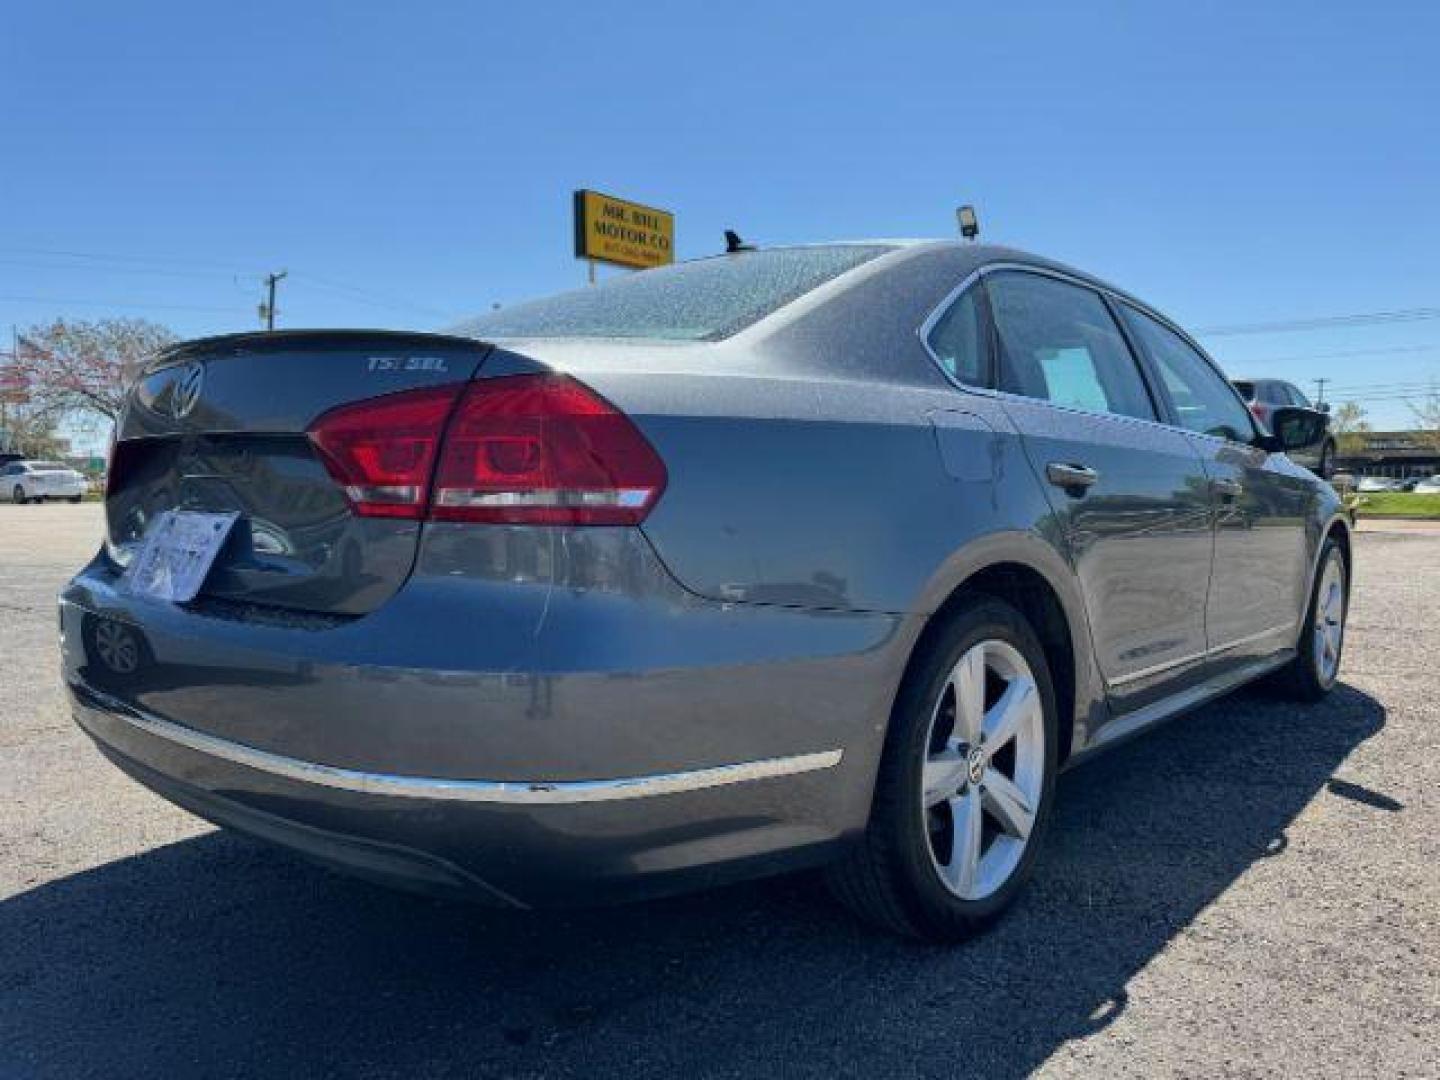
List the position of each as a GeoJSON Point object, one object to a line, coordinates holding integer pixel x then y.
{"type": "Point", "coordinates": [1075, 479]}
{"type": "Point", "coordinates": [1226, 488]}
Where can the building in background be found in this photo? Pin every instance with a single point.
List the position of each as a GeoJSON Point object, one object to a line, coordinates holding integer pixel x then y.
{"type": "Point", "coordinates": [1397, 454]}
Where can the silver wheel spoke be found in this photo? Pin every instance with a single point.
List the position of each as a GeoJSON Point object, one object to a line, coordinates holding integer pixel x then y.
{"type": "Point", "coordinates": [1004, 719]}
{"type": "Point", "coordinates": [988, 765]}
{"type": "Point", "coordinates": [968, 680]}
{"type": "Point", "coordinates": [944, 774]}
{"type": "Point", "coordinates": [1007, 804]}
{"type": "Point", "coordinates": [964, 865]}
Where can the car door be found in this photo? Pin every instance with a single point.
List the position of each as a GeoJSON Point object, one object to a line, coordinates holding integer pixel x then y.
{"type": "Point", "coordinates": [1262, 501]}
{"type": "Point", "coordinates": [1129, 492]}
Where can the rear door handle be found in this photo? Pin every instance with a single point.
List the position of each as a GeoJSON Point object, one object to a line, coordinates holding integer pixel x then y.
{"type": "Point", "coordinates": [1227, 488]}
{"type": "Point", "coordinates": [1075, 479]}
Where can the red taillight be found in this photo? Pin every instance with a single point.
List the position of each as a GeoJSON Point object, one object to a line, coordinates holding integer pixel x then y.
{"type": "Point", "coordinates": [1260, 411]}
{"type": "Point", "coordinates": [520, 449]}
{"type": "Point", "coordinates": [383, 451]}
{"type": "Point", "coordinates": [543, 450]}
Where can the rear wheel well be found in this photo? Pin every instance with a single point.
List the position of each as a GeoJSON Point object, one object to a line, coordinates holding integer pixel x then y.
{"type": "Point", "coordinates": [1341, 534]}
{"type": "Point", "coordinates": [1028, 591]}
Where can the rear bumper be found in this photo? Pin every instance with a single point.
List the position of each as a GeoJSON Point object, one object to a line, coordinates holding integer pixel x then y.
{"type": "Point", "coordinates": [499, 842]}
{"type": "Point", "coordinates": [536, 743]}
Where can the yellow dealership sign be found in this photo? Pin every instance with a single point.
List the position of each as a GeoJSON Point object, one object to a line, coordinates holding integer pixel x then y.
{"type": "Point", "coordinates": [616, 231]}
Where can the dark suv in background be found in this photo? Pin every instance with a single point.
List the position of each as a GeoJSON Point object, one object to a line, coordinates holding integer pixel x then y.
{"type": "Point", "coordinates": [1264, 396]}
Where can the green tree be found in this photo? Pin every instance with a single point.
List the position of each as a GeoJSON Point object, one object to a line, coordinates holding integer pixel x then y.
{"type": "Point", "coordinates": [1350, 426]}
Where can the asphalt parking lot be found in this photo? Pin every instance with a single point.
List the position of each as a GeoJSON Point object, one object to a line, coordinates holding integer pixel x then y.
{"type": "Point", "coordinates": [1252, 890]}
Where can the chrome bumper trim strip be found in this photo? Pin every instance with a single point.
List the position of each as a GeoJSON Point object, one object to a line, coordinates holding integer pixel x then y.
{"type": "Point", "coordinates": [520, 792]}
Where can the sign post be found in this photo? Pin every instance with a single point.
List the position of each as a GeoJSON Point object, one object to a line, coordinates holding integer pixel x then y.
{"type": "Point", "coordinates": [624, 233]}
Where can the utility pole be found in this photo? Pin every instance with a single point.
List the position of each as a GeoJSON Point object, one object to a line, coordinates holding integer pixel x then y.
{"type": "Point", "coordinates": [267, 309]}
{"type": "Point", "coordinates": [1320, 391]}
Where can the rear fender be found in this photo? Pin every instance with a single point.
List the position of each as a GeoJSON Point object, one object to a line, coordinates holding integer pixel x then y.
{"type": "Point", "coordinates": [1044, 556]}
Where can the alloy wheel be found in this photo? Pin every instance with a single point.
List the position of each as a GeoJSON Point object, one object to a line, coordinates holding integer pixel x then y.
{"type": "Point", "coordinates": [984, 769]}
{"type": "Point", "coordinates": [1329, 620]}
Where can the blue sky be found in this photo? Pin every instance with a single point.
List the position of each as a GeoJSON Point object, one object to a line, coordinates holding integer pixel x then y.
{"type": "Point", "coordinates": [409, 164]}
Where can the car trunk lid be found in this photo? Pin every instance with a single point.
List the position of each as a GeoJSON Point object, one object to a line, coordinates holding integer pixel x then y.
{"type": "Point", "coordinates": [221, 425]}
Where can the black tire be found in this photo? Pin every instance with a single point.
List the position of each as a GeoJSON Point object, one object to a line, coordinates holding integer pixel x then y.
{"type": "Point", "coordinates": [18, 495]}
{"type": "Point", "coordinates": [1304, 678]}
{"type": "Point", "coordinates": [890, 878]}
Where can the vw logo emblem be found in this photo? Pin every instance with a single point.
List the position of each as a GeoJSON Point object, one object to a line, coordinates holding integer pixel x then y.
{"type": "Point", "coordinates": [185, 391]}
{"type": "Point", "coordinates": [976, 766]}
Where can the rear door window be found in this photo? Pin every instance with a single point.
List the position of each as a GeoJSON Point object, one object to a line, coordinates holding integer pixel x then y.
{"type": "Point", "coordinates": [1204, 401]}
{"type": "Point", "coordinates": [1058, 343]}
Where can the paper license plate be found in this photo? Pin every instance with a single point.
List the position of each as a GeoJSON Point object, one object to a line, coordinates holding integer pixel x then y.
{"type": "Point", "coordinates": [176, 554]}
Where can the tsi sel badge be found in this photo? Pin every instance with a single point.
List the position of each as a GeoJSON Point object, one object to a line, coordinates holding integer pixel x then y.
{"type": "Point", "coordinates": [185, 390]}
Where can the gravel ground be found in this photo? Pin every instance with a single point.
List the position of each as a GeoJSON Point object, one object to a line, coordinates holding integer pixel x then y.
{"type": "Point", "coordinates": [1252, 890]}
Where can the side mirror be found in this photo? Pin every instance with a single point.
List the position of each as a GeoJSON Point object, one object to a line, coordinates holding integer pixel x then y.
{"type": "Point", "coordinates": [1324, 407]}
{"type": "Point", "coordinates": [1296, 428]}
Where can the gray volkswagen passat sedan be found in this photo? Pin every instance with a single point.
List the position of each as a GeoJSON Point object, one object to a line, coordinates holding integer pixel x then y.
{"type": "Point", "coordinates": [815, 555]}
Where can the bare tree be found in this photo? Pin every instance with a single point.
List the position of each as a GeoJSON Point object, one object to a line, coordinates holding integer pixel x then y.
{"type": "Point", "coordinates": [79, 366]}
{"type": "Point", "coordinates": [25, 427]}
{"type": "Point", "coordinates": [1427, 416]}
{"type": "Point", "coordinates": [24, 430]}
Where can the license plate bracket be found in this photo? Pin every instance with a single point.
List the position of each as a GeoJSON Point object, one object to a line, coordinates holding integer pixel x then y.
{"type": "Point", "coordinates": [177, 553]}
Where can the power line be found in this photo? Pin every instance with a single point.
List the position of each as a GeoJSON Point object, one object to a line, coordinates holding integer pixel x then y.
{"type": "Point", "coordinates": [1343, 353]}
{"type": "Point", "coordinates": [1382, 388]}
{"type": "Point", "coordinates": [374, 297]}
{"type": "Point", "coordinates": [165, 266]}
{"type": "Point", "coordinates": [8, 298]}
{"type": "Point", "coordinates": [158, 265]}
{"type": "Point", "coordinates": [148, 270]}
{"type": "Point", "coordinates": [1322, 322]}
{"type": "Point", "coordinates": [98, 257]}
{"type": "Point", "coordinates": [1363, 399]}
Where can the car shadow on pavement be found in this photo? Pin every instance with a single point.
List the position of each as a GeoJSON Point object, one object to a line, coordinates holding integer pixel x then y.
{"type": "Point", "coordinates": [216, 956]}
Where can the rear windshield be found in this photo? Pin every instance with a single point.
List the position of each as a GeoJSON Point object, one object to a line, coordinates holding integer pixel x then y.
{"type": "Point", "coordinates": [1247, 390]}
{"type": "Point", "coordinates": [704, 300]}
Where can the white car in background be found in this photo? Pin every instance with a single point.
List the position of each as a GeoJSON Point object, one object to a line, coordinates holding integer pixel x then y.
{"type": "Point", "coordinates": [36, 481]}
{"type": "Point", "coordinates": [1428, 486]}
{"type": "Point", "coordinates": [1374, 484]}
